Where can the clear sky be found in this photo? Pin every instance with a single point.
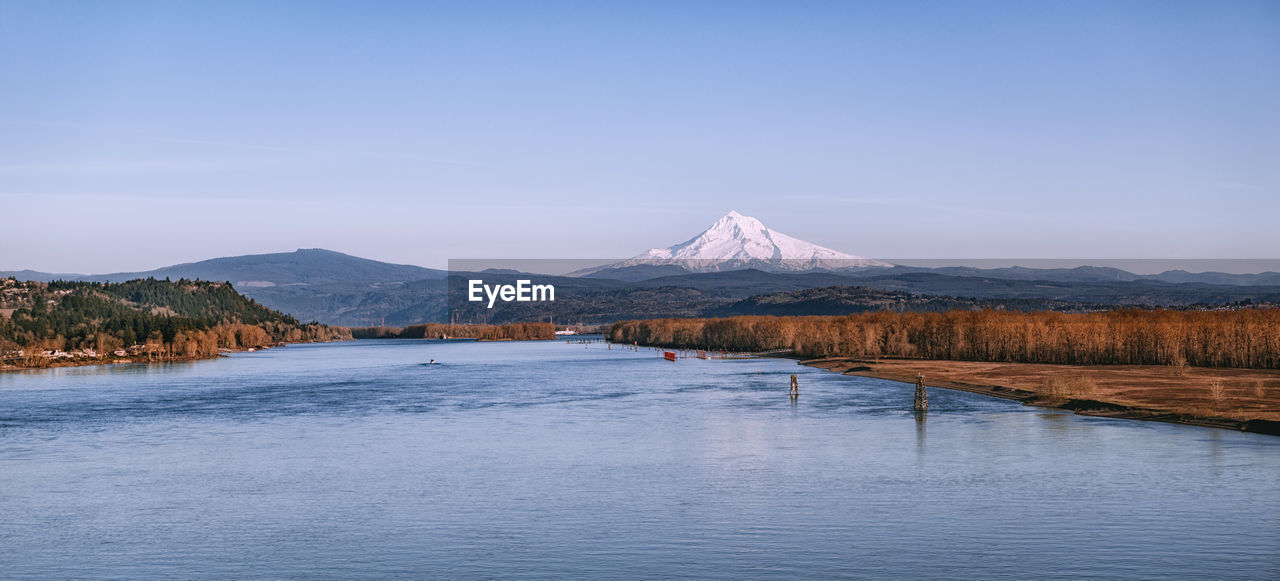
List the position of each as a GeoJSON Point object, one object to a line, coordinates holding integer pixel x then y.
{"type": "Point", "coordinates": [135, 135]}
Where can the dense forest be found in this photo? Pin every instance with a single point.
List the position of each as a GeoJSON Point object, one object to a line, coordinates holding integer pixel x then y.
{"type": "Point", "coordinates": [846, 300]}
{"type": "Point", "coordinates": [1234, 338]}
{"type": "Point", "coordinates": [511, 331]}
{"type": "Point", "coordinates": [157, 319]}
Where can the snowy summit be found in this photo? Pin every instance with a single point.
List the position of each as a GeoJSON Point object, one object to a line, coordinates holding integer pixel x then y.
{"type": "Point", "coordinates": [736, 241]}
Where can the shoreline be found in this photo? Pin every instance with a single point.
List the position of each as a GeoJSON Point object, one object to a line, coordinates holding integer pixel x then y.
{"type": "Point", "coordinates": [134, 361]}
{"type": "Point", "coordinates": [92, 363]}
{"type": "Point", "coordinates": [903, 370]}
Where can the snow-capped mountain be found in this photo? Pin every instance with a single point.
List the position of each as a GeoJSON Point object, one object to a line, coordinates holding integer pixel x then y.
{"type": "Point", "coordinates": [735, 242]}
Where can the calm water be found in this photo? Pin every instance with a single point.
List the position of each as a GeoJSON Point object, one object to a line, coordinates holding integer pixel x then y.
{"type": "Point", "coordinates": [547, 460]}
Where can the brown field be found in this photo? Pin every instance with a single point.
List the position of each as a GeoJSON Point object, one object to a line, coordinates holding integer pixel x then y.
{"type": "Point", "coordinates": [1206, 396]}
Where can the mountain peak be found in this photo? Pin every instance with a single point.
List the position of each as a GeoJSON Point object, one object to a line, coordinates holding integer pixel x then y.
{"type": "Point", "coordinates": [746, 223]}
{"type": "Point", "coordinates": [740, 241]}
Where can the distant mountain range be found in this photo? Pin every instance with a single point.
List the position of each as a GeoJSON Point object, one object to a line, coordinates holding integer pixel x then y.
{"type": "Point", "coordinates": [591, 300]}
{"type": "Point", "coordinates": [300, 267]}
{"type": "Point", "coordinates": [1104, 274]}
{"type": "Point", "coordinates": [736, 266]}
{"type": "Point", "coordinates": [310, 284]}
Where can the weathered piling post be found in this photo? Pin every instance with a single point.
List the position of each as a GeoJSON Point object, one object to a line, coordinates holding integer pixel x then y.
{"type": "Point", "coordinates": [795, 385]}
{"type": "Point", "coordinates": [922, 396]}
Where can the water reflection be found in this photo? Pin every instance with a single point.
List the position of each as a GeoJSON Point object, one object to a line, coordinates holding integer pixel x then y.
{"type": "Point", "coordinates": [921, 417]}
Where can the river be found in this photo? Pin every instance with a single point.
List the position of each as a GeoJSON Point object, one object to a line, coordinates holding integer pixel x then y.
{"type": "Point", "coordinates": [554, 460]}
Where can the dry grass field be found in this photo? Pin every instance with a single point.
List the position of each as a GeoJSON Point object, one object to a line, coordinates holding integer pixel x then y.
{"type": "Point", "coordinates": [1195, 392]}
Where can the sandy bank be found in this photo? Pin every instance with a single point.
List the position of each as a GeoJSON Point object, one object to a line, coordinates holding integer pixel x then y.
{"type": "Point", "coordinates": [1238, 399]}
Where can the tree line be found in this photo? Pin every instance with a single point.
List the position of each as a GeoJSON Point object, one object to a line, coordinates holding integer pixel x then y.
{"type": "Point", "coordinates": [1248, 338]}
{"type": "Point", "coordinates": [510, 331]}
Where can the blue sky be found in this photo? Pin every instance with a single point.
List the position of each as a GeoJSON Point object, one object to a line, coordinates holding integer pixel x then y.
{"type": "Point", "coordinates": [135, 135]}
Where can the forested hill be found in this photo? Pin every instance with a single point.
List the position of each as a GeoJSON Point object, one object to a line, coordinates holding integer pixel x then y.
{"type": "Point", "coordinates": [42, 323]}
{"type": "Point", "coordinates": [845, 300]}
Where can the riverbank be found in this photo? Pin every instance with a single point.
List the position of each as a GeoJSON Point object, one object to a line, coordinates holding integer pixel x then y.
{"type": "Point", "coordinates": [1237, 399]}
{"type": "Point", "coordinates": [85, 361]}
{"type": "Point", "coordinates": [90, 361]}
{"type": "Point", "coordinates": [481, 332]}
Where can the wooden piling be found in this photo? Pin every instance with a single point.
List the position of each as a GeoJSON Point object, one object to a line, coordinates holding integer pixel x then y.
{"type": "Point", "coordinates": [922, 396]}
{"type": "Point", "coordinates": [795, 385]}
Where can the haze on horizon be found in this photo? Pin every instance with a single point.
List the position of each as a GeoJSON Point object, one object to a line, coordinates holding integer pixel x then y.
{"type": "Point", "coordinates": [138, 135]}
